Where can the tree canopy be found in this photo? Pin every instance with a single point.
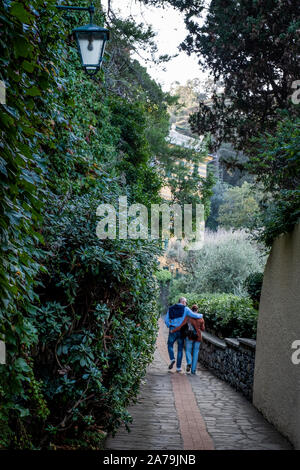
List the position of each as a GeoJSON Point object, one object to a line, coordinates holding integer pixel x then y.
{"type": "Point", "coordinates": [253, 47]}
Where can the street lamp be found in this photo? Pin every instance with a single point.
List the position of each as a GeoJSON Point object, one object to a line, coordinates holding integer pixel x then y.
{"type": "Point", "coordinates": [91, 40]}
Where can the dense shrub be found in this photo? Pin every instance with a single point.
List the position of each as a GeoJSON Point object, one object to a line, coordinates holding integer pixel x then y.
{"type": "Point", "coordinates": [96, 321]}
{"type": "Point", "coordinates": [239, 206]}
{"type": "Point", "coordinates": [223, 264]}
{"type": "Point", "coordinates": [253, 284]}
{"type": "Point", "coordinates": [31, 85]}
{"type": "Point", "coordinates": [78, 315]}
{"type": "Point", "coordinates": [225, 315]}
{"type": "Point", "coordinates": [277, 170]}
{"type": "Point", "coordinates": [163, 276]}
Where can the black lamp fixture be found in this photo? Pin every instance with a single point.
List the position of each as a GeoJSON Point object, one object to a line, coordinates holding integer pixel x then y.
{"type": "Point", "coordinates": [91, 40]}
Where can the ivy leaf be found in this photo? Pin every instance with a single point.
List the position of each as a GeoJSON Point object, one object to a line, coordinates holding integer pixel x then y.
{"type": "Point", "coordinates": [22, 365]}
{"type": "Point", "coordinates": [21, 47]}
{"type": "Point", "coordinates": [82, 362]}
{"type": "Point", "coordinates": [28, 66]}
{"type": "Point", "coordinates": [33, 91]}
{"type": "Point", "coordinates": [19, 12]}
{"type": "Point", "coordinates": [23, 411]}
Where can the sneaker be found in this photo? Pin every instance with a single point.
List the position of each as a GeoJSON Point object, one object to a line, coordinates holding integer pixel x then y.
{"type": "Point", "coordinates": [179, 371]}
{"type": "Point", "coordinates": [188, 368]}
{"type": "Point", "coordinates": [194, 373]}
{"type": "Point", "coordinates": [171, 364]}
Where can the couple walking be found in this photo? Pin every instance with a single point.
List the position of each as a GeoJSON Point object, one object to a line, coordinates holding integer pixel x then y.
{"type": "Point", "coordinates": [184, 324]}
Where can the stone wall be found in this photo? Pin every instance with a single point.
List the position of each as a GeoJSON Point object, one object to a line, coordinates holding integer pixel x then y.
{"type": "Point", "coordinates": [231, 360]}
{"type": "Point", "coordinates": [277, 379]}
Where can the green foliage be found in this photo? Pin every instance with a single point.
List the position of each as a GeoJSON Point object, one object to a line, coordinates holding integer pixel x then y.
{"type": "Point", "coordinates": [179, 162]}
{"type": "Point", "coordinates": [277, 170]}
{"type": "Point", "coordinates": [223, 264]}
{"type": "Point", "coordinates": [239, 207]}
{"type": "Point", "coordinates": [78, 314]}
{"type": "Point", "coordinates": [252, 48]}
{"type": "Point", "coordinates": [253, 284]}
{"type": "Point", "coordinates": [184, 180]}
{"type": "Point", "coordinates": [234, 40]}
{"type": "Point", "coordinates": [24, 128]}
{"type": "Point", "coordinates": [96, 321]}
{"type": "Point", "coordinates": [225, 315]}
{"type": "Point", "coordinates": [163, 276]}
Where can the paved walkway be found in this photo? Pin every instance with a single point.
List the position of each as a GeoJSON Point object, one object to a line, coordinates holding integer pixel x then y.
{"type": "Point", "coordinates": [185, 412]}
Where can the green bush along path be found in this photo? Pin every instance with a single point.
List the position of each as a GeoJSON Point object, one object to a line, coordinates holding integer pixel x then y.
{"type": "Point", "coordinates": [78, 314]}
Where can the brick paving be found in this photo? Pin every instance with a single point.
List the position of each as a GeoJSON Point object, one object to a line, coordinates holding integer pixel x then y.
{"type": "Point", "coordinates": [191, 423]}
{"type": "Point", "coordinates": [185, 412]}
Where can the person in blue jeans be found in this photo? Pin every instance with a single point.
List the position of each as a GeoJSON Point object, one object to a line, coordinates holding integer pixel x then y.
{"type": "Point", "coordinates": [175, 316]}
{"type": "Point", "coordinates": [192, 353]}
{"type": "Point", "coordinates": [191, 329]}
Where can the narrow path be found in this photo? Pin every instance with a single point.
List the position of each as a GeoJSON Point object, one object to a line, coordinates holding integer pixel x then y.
{"type": "Point", "coordinates": [182, 412]}
{"type": "Point", "coordinates": [155, 422]}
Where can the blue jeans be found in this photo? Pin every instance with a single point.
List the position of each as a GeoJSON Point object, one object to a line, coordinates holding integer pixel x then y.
{"type": "Point", "coordinates": [180, 341]}
{"type": "Point", "coordinates": [192, 349]}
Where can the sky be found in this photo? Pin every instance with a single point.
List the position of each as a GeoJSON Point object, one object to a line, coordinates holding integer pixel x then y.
{"type": "Point", "coordinates": [169, 25]}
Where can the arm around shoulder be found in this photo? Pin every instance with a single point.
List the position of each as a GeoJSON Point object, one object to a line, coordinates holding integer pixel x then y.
{"type": "Point", "coordinates": [192, 314]}
{"type": "Point", "coordinates": [179, 327]}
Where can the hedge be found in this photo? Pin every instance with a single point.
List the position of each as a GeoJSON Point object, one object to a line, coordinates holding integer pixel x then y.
{"type": "Point", "coordinates": [225, 315]}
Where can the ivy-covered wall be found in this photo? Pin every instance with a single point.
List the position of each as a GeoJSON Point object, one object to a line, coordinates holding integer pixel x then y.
{"type": "Point", "coordinates": [78, 314]}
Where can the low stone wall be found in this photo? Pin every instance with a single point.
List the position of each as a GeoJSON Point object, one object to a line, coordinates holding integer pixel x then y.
{"type": "Point", "coordinates": [231, 360]}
